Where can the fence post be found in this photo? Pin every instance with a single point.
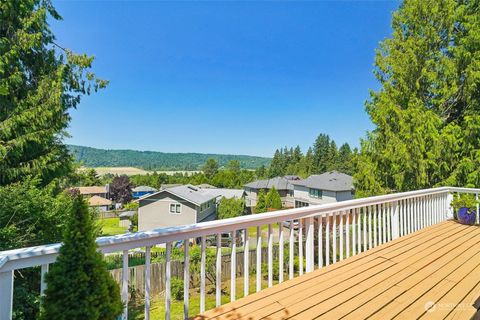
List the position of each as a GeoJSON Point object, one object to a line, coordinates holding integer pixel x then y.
{"type": "Point", "coordinates": [6, 297]}
{"type": "Point", "coordinates": [395, 221]}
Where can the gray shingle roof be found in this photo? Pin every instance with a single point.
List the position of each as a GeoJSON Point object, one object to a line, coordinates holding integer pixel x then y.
{"type": "Point", "coordinates": [280, 183]}
{"type": "Point", "coordinates": [187, 192]}
{"type": "Point", "coordinates": [332, 181]}
{"type": "Point", "coordinates": [226, 193]}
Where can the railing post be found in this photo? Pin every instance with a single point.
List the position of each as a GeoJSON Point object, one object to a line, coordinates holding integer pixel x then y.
{"type": "Point", "coordinates": [309, 244]}
{"type": "Point", "coordinates": [6, 298]}
{"type": "Point", "coordinates": [395, 221]}
{"type": "Point", "coordinates": [448, 210]}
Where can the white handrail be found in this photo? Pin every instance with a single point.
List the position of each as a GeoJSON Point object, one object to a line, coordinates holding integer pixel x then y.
{"type": "Point", "coordinates": [38, 255]}
{"type": "Point", "coordinates": [394, 215]}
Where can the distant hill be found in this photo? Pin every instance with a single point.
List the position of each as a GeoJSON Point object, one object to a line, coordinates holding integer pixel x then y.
{"type": "Point", "coordinates": [152, 160]}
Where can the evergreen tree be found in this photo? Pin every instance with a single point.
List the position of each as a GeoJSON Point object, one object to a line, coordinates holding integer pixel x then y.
{"type": "Point", "coordinates": [321, 151]}
{"type": "Point", "coordinates": [230, 208]}
{"type": "Point", "coordinates": [261, 172]}
{"type": "Point", "coordinates": [210, 168]}
{"type": "Point", "coordinates": [40, 82]}
{"type": "Point", "coordinates": [277, 168]}
{"type": "Point", "coordinates": [345, 159]}
{"type": "Point", "coordinates": [261, 203]}
{"type": "Point", "coordinates": [273, 199]}
{"type": "Point", "coordinates": [78, 283]}
{"type": "Point", "coordinates": [426, 114]}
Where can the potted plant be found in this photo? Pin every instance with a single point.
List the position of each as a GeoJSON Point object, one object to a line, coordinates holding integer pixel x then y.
{"type": "Point", "coordinates": [465, 208]}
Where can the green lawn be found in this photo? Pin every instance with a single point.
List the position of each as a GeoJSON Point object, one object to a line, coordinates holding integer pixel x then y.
{"type": "Point", "coordinates": [111, 226]}
{"type": "Point", "coordinates": [157, 306]}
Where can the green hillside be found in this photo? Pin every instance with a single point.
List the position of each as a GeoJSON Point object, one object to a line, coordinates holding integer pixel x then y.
{"type": "Point", "coordinates": [152, 160]}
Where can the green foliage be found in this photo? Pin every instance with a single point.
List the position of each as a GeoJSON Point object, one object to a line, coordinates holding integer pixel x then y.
{"type": "Point", "coordinates": [131, 206]}
{"type": "Point", "coordinates": [230, 208]}
{"type": "Point", "coordinates": [79, 285]}
{"type": "Point", "coordinates": [261, 202]}
{"type": "Point", "coordinates": [150, 160]}
{"type": "Point", "coordinates": [210, 168]}
{"type": "Point", "coordinates": [464, 201]}
{"type": "Point", "coordinates": [426, 114]}
{"type": "Point", "coordinates": [273, 200]}
{"type": "Point", "coordinates": [324, 156]}
{"type": "Point", "coordinates": [177, 289]}
{"type": "Point", "coordinates": [40, 82]}
{"type": "Point", "coordinates": [195, 262]}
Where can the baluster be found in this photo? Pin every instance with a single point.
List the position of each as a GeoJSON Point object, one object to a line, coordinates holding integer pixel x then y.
{"type": "Point", "coordinates": [233, 267]}
{"type": "Point", "coordinates": [347, 229]}
{"type": "Point", "coordinates": [320, 241]}
{"type": "Point", "coordinates": [327, 240]}
{"type": "Point", "coordinates": [300, 245]}
{"type": "Point", "coordinates": [341, 235]}
{"type": "Point", "coordinates": [369, 227]}
{"type": "Point", "coordinates": [218, 269]}
{"type": "Point", "coordinates": [359, 230]}
{"type": "Point", "coordinates": [148, 268]}
{"type": "Point", "coordinates": [478, 211]}
{"type": "Point", "coordinates": [334, 237]}
{"type": "Point", "coordinates": [291, 252]}
{"type": "Point", "coordinates": [389, 222]}
{"type": "Point", "coordinates": [43, 284]}
{"type": "Point", "coordinates": [246, 254]}
{"type": "Point", "coordinates": [270, 256]}
{"type": "Point", "coordinates": [375, 225]}
{"type": "Point", "coordinates": [6, 301]}
{"type": "Point", "coordinates": [280, 252]}
{"type": "Point", "coordinates": [384, 223]}
{"type": "Point", "coordinates": [186, 277]}
{"type": "Point", "coordinates": [203, 259]}
{"type": "Point", "coordinates": [354, 232]}
{"type": "Point", "coordinates": [259, 260]}
{"type": "Point", "coordinates": [364, 210]}
{"type": "Point", "coordinates": [125, 284]}
{"type": "Point", "coordinates": [168, 279]}
{"type": "Point", "coordinates": [400, 211]}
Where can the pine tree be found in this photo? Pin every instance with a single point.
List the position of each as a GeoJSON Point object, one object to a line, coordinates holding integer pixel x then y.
{"type": "Point", "coordinates": [261, 202]}
{"type": "Point", "coordinates": [321, 150]}
{"type": "Point", "coordinates": [78, 283]}
{"type": "Point", "coordinates": [273, 199]}
{"type": "Point", "coordinates": [40, 82]}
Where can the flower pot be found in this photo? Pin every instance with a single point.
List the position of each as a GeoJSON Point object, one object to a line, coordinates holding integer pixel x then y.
{"type": "Point", "coordinates": [466, 216]}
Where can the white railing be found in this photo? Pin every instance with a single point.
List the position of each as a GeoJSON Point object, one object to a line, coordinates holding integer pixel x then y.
{"type": "Point", "coordinates": [325, 234]}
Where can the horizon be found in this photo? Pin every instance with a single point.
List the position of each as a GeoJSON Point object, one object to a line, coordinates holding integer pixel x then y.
{"type": "Point", "coordinates": [235, 78]}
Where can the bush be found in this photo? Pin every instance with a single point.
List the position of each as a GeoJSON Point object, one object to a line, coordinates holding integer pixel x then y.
{"type": "Point", "coordinates": [177, 289]}
{"type": "Point", "coordinates": [78, 283]}
{"type": "Point", "coordinates": [464, 201]}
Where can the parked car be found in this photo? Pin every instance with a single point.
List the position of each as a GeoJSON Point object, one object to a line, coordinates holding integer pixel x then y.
{"type": "Point", "coordinates": [296, 224]}
{"type": "Point", "coordinates": [226, 240]}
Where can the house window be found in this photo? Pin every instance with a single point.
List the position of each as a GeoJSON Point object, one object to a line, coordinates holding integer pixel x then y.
{"type": "Point", "coordinates": [315, 193]}
{"type": "Point", "coordinates": [175, 208]}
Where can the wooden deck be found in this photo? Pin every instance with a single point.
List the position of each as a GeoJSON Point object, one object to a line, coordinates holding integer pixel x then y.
{"type": "Point", "coordinates": [438, 267]}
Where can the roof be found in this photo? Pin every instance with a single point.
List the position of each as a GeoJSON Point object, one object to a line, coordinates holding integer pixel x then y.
{"type": "Point", "coordinates": [292, 177]}
{"type": "Point", "coordinates": [280, 183]}
{"type": "Point", "coordinates": [206, 186]}
{"type": "Point", "coordinates": [226, 193]}
{"type": "Point", "coordinates": [144, 189]}
{"type": "Point", "coordinates": [97, 201]}
{"type": "Point", "coordinates": [126, 214]}
{"type": "Point", "coordinates": [187, 192]}
{"type": "Point", "coordinates": [92, 190]}
{"type": "Point", "coordinates": [332, 181]}
{"type": "Point", "coordinates": [169, 185]}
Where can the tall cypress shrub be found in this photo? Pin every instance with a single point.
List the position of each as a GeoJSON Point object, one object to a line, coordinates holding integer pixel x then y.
{"type": "Point", "coordinates": [78, 283]}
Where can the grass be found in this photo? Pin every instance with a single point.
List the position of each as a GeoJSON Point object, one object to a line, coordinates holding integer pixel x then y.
{"type": "Point", "coordinates": [157, 306]}
{"type": "Point", "coordinates": [111, 226]}
{"type": "Point", "coordinates": [129, 171]}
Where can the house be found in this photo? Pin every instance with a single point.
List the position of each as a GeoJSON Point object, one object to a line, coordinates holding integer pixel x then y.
{"type": "Point", "coordinates": [181, 205]}
{"type": "Point", "coordinates": [206, 186]}
{"type": "Point", "coordinates": [100, 191]}
{"type": "Point", "coordinates": [328, 187]}
{"type": "Point", "coordinates": [142, 191]}
{"type": "Point", "coordinates": [282, 184]}
{"type": "Point", "coordinates": [220, 193]}
{"type": "Point", "coordinates": [125, 218]}
{"type": "Point", "coordinates": [99, 202]}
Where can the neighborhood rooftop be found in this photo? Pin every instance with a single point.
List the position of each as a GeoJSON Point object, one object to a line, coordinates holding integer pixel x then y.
{"type": "Point", "coordinates": [332, 181]}
{"type": "Point", "coordinates": [280, 183]}
{"type": "Point", "coordinates": [188, 192]}
{"type": "Point", "coordinates": [92, 190]}
{"type": "Point", "coordinates": [144, 189]}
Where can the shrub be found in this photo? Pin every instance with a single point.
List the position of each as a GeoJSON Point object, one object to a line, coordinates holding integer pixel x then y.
{"type": "Point", "coordinates": [177, 289]}
{"type": "Point", "coordinates": [79, 285]}
{"type": "Point", "coordinates": [465, 201]}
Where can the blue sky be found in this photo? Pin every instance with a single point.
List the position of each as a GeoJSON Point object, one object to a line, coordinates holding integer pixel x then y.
{"type": "Point", "coordinates": [224, 76]}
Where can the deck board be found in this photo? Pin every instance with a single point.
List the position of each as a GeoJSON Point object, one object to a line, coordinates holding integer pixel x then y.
{"type": "Point", "coordinates": [393, 280]}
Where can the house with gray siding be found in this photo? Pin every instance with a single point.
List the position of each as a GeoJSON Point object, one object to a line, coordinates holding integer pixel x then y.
{"type": "Point", "coordinates": [283, 185]}
{"type": "Point", "coordinates": [180, 205]}
{"type": "Point", "coordinates": [332, 186]}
